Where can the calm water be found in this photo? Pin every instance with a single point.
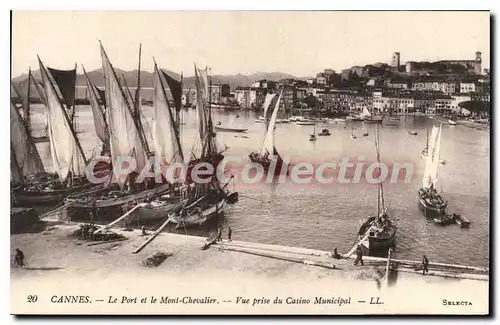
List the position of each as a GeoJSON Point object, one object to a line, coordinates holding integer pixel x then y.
{"type": "Point", "coordinates": [327, 216]}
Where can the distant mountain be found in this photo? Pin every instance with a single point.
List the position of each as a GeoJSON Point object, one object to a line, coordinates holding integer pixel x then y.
{"type": "Point", "coordinates": [96, 76]}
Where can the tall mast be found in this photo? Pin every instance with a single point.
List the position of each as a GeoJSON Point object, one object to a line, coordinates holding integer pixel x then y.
{"type": "Point", "coordinates": [27, 108]}
{"type": "Point", "coordinates": [138, 90]}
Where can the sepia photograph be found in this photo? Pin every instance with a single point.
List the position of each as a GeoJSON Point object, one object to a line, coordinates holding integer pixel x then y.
{"type": "Point", "coordinates": [250, 162]}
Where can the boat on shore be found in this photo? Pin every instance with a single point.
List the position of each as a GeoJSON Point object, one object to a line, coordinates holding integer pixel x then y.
{"type": "Point", "coordinates": [199, 213]}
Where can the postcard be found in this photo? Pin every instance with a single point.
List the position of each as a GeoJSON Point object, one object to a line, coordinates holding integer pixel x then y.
{"type": "Point", "coordinates": [250, 162]}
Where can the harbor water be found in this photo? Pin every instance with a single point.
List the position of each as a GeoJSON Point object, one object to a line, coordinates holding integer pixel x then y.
{"type": "Point", "coordinates": [329, 215]}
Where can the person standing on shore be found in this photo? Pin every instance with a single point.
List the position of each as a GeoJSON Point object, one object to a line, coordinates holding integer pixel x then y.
{"type": "Point", "coordinates": [229, 233]}
{"type": "Point", "coordinates": [359, 256]}
{"type": "Point", "coordinates": [219, 234]}
{"type": "Point", "coordinates": [425, 263]}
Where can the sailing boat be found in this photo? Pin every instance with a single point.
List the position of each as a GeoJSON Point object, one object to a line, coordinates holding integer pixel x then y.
{"type": "Point", "coordinates": [205, 200]}
{"type": "Point", "coordinates": [313, 136]}
{"type": "Point", "coordinates": [430, 202]}
{"type": "Point", "coordinates": [125, 140]}
{"type": "Point", "coordinates": [268, 151]}
{"type": "Point", "coordinates": [67, 154]}
{"type": "Point", "coordinates": [369, 118]}
{"type": "Point", "coordinates": [378, 233]}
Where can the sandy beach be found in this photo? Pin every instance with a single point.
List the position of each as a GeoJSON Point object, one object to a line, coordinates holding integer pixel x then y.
{"type": "Point", "coordinates": [60, 265]}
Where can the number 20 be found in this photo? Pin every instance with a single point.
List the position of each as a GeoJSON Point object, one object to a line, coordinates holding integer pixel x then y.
{"type": "Point", "coordinates": [32, 298]}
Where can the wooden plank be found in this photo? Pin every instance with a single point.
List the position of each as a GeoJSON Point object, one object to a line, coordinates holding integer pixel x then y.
{"type": "Point", "coordinates": [106, 242]}
{"type": "Point", "coordinates": [150, 239]}
{"type": "Point", "coordinates": [119, 219]}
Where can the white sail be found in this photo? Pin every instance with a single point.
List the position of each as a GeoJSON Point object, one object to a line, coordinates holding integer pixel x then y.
{"type": "Point", "coordinates": [430, 162]}
{"type": "Point", "coordinates": [100, 125]}
{"type": "Point", "coordinates": [27, 159]}
{"type": "Point", "coordinates": [166, 142]}
{"type": "Point", "coordinates": [267, 103]}
{"type": "Point", "coordinates": [435, 158]}
{"type": "Point", "coordinates": [269, 140]}
{"type": "Point", "coordinates": [125, 140]}
{"type": "Point", "coordinates": [201, 116]}
{"type": "Point", "coordinates": [67, 155]}
{"type": "Point", "coordinates": [203, 75]}
{"type": "Point", "coordinates": [365, 113]}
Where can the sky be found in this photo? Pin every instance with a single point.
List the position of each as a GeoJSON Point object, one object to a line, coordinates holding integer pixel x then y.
{"type": "Point", "coordinates": [230, 42]}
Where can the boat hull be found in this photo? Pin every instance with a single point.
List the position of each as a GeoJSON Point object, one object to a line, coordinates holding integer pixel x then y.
{"type": "Point", "coordinates": [374, 245]}
{"type": "Point", "coordinates": [201, 217]}
{"type": "Point", "coordinates": [430, 210]}
{"type": "Point", "coordinates": [26, 198]}
{"type": "Point", "coordinates": [220, 129]}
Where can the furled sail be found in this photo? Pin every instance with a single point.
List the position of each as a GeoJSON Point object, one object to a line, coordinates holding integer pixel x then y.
{"type": "Point", "coordinates": [27, 158]}
{"type": "Point", "coordinates": [268, 146]}
{"type": "Point", "coordinates": [101, 127]}
{"type": "Point", "coordinates": [167, 145]}
{"type": "Point", "coordinates": [67, 154]}
{"type": "Point", "coordinates": [203, 73]}
{"type": "Point", "coordinates": [125, 140]}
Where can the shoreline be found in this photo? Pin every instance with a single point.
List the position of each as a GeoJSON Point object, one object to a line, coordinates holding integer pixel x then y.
{"type": "Point", "coordinates": [60, 265]}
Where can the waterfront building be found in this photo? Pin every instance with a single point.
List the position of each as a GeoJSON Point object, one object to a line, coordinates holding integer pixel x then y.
{"type": "Point", "coordinates": [467, 87]}
{"type": "Point", "coordinates": [219, 93]}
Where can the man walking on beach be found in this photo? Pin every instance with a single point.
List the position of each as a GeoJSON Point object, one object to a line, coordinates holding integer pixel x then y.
{"type": "Point", "coordinates": [425, 263]}
{"type": "Point", "coordinates": [359, 256]}
{"type": "Point", "coordinates": [19, 257]}
{"type": "Point", "coordinates": [229, 233]}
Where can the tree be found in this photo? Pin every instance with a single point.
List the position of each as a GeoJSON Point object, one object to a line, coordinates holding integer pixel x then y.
{"type": "Point", "coordinates": [476, 107]}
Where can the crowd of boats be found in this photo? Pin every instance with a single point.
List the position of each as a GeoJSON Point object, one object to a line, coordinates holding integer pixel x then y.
{"type": "Point", "coordinates": [118, 125]}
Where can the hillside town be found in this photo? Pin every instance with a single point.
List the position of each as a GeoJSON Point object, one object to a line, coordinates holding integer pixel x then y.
{"type": "Point", "coordinates": [442, 87]}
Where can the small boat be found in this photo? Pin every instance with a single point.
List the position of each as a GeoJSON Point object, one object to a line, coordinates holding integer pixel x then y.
{"type": "Point", "coordinates": [324, 132]}
{"type": "Point", "coordinates": [451, 122]}
{"type": "Point", "coordinates": [354, 118]}
{"type": "Point", "coordinates": [411, 132]}
{"type": "Point", "coordinates": [461, 221]}
{"type": "Point", "coordinates": [337, 120]}
{"type": "Point", "coordinates": [237, 115]}
{"type": "Point", "coordinates": [372, 119]}
{"type": "Point", "coordinates": [313, 136]}
{"type": "Point", "coordinates": [444, 219]}
{"type": "Point", "coordinates": [305, 122]}
{"type": "Point", "coordinates": [222, 129]}
{"type": "Point", "coordinates": [365, 134]}
{"type": "Point", "coordinates": [260, 121]}
{"type": "Point", "coordinates": [196, 215]}
{"type": "Point", "coordinates": [232, 197]}
{"type": "Point", "coordinates": [353, 136]}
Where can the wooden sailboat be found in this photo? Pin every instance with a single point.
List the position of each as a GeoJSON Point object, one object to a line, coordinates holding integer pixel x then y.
{"type": "Point", "coordinates": [206, 200]}
{"type": "Point", "coordinates": [378, 233]}
{"type": "Point", "coordinates": [127, 140]}
{"type": "Point", "coordinates": [429, 201]}
{"type": "Point", "coordinates": [67, 154]}
{"type": "Point", "coordinates": [268, 151]}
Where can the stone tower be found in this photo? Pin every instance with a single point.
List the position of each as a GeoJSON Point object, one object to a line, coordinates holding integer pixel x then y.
{"type": "Point", "coordinates": [477, 64]}
{"type": "Point", "coordinates": [395, 60]}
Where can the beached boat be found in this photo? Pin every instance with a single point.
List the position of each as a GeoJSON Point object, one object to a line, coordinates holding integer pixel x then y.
{"type": "Point", "coordinates": [430, 202]}
{"type": "Point", "coordinates": [412, 132]}
{"type": "Point", "coordinates": [197, 214]}
{"type": "Point", "coordinates": [268, 153]}
{"type": "Point", "coordinates": [378, 233]}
